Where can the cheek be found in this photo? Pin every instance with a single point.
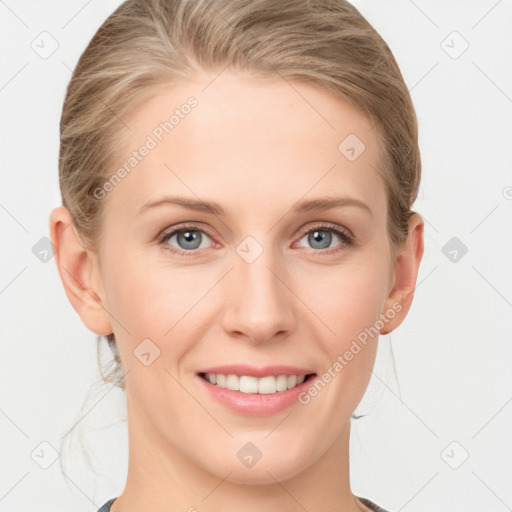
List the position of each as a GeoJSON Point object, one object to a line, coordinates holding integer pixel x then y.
{"type": "Point", "coordinates": [354, 310]}
{"type": "Point", "coordinates": [136, 305]}
{"type": "Point", "coordinates": [146, 297]}
{"type": "Point", "coordinates": [348, 297]}
{"type": "Point", "coordinates": [149, 302]}
{"type": "Point", "coordinates": [152, 300]}
{"type": "Point", "coordinates": [351, 304]}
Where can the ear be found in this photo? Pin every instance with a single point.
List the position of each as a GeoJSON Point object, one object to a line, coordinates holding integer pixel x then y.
{"type": "Point", "coordinates": [79, 271]}
{"type": "Point", "coordinates": [405, 273]}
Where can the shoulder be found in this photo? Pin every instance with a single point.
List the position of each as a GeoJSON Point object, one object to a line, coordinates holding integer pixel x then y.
{"type": "Point", "coordinates": [372, 506]}
{"type": "Point", "coordinates": [106, 506]}
{"type": "Point", "coordinates": [369, 504]}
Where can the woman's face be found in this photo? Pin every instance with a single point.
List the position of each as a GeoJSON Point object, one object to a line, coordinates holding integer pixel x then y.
{"type": "Point", "coordinates": [262, 288]}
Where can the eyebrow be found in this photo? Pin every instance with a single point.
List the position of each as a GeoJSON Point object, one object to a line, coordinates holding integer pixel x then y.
{"type": "Point", "coordinates": [321, 203]}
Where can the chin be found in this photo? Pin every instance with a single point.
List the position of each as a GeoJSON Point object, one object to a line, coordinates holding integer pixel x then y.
{"type": "Point", "coordinates": [264, 474]}
{"type": "Point", "coordinates": [269, 464]}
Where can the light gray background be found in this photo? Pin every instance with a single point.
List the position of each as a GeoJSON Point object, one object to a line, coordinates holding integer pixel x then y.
{"type": "Point", "coordinates": [453, 352]}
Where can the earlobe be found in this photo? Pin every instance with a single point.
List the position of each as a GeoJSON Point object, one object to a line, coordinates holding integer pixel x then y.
{"type": "Point", "coordinates": [77, 267]}
{"type": "Point", "coordinates": [406, 267]}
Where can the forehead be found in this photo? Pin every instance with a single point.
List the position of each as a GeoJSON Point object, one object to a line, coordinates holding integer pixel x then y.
{"type": "Point", "coordinates": [248, 139]}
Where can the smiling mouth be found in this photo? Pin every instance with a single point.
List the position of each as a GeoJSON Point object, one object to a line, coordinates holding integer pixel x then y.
{"type": "Point", "coordinates": [248, 384]}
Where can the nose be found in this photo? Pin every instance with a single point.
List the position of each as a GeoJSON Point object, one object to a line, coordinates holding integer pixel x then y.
{"type": "Point", "coordinates": [259, 304]}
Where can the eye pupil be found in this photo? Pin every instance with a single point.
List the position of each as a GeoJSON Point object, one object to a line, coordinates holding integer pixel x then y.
{"type": "Point", "coordinates": [188, 240]}
{"type": "Point", "coordinates": [320, 236]}
{"type": "Point", "coordinates": [189, 237]}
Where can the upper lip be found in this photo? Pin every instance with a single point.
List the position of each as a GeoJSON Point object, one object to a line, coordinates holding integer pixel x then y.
{"type": "Point", "coordinates": [252, 371]}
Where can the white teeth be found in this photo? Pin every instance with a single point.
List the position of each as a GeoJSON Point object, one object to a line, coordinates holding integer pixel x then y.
{"type": "Point", "coordinates": [247, 384]}
{"type": "Point", "coordinates": [233, 382]}
{"type": "Point", "coordinates": [282, 383]}
{"type": "Point", "coordinates": [267, 385]}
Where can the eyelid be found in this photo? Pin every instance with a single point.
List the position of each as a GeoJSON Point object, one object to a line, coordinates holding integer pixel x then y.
{"type": "Point", "coordinates": [196, 226]}
{"type": "Point", "coordinates": [320, 225]}
{"type": "Point", "coordinates": [348, 239]}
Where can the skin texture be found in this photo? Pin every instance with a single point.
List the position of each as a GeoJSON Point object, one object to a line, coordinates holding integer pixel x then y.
{"type": "Point", "coordinates": [255, 146]}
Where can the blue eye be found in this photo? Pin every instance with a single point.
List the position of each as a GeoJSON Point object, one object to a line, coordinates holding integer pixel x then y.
{"type": "Point", "coordinates": [320, 237]}
{"type": "Point", "coordinates": [189, 238]}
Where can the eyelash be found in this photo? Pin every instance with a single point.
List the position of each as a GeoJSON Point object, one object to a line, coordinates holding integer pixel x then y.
{"type": "Point", "coordinates": [347, 239]}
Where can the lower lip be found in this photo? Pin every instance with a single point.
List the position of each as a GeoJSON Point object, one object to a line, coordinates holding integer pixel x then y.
{"type": "Point", "coordinates": [255, 404]}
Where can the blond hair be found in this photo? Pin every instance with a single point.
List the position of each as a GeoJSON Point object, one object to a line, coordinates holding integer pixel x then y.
{"type": "Point", "coordinates": [146, 44]}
